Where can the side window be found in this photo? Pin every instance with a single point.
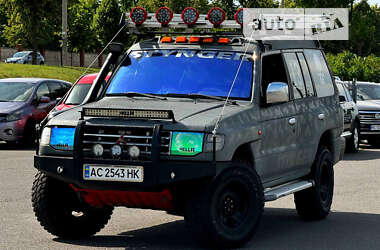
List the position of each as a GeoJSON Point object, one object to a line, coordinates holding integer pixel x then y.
{"type": "Point", "coordinates": [272, 70]}
{"type": "Point", "coordinates": [295, 74]}
{"type": "Point", "coordinates": [341, 91]}
{"type": "Point", "coordinates": [43, 90]}
{"type": "Point", "coordinates": [55, 89]}
{"type": "Point", "coordinates": [320, 73]}
{"type": "Point", "coordinates": [306, 75]}
{"type": "Point", "coordinates": [65, 88]}
{"type": "Point", "coordinates": [348, 95]}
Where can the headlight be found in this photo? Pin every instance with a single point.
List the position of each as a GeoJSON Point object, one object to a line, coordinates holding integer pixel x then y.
{"type": "Point", "coordinates": [45, 137]}
{"type": "Point", "coordinates": [186, 143]}
{"type": "Point", "coordinates": [62, 138]}
{"type": "Point", "coordinates": [14, 116]}
{"type": "Point", "coordinates": [210, 141]}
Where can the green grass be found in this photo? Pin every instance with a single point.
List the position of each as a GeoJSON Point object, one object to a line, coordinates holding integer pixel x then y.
{"type": "Point", "coordinates": [70, 74]}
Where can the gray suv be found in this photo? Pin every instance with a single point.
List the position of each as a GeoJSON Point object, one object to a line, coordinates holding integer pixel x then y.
{"type": "Point", "coordinates": [208, 130]}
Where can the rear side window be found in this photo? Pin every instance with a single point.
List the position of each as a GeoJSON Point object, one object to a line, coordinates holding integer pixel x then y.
{"type": "Point", "coordinates": [320, 73]}
{"type": "Point", "coordinates": [306, 75]}
{"type": "Point", "coordinates": [295, 73]}
{"type": "Point", "coordinates": [56, 90]}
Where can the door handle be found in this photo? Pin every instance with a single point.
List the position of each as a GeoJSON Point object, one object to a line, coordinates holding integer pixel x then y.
{"type": "Point", "coordinates": [292, 121]}
{"type": "Point", "coordinates": [321, 116]}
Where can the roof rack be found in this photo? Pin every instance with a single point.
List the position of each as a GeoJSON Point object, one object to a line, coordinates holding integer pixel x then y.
{"type": "Point", "coordinates": [138, 21]}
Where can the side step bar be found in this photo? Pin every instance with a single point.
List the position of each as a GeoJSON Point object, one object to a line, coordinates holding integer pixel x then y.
{"type": "Point", "coordinates": [286, 189]}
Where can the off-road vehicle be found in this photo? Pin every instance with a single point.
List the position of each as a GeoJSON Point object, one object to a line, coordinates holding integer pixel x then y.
{"type": "Point", "coordinates": [207, 126]}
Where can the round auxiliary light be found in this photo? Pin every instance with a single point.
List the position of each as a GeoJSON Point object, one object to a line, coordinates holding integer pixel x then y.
{"type": "Point", "coordinates": [239, 16]}
{"type": "Point", "coordinates": [98, 150]}
{"type": "Point", "coordinates": [116, 150]}
{"type": "Point", "coordinates": [216, 16]}
{"type": "Point", "coordinates": [134, 152]}
{"type": "Point", "coordinates": [164, 15]}
{"type": "Point", "coordinates": [138, 15]}
{"type": "Point", "coordinates": [190, 15]}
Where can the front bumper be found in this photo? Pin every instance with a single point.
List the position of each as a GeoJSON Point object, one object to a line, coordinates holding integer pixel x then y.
{"type": "Point", "coordinates": [157, 175]}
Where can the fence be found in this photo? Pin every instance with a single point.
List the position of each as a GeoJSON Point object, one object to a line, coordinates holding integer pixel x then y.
{"type": "Point", "coordinates": [53, 58]}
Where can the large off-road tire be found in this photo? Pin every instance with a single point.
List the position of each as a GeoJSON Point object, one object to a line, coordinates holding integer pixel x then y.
{"type": "Point", "coordinates": [315, 203]}
{"type": "Point", "coordinates": [353, 141]}
{"type": "Point", "coordinates": [59, 210]}
{"type": "Point", "coordinates": [227, 212]}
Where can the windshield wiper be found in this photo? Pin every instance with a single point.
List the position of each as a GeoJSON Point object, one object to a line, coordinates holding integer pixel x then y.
{"type": "Point", "coordinates": [131, 94]}
{"type": "Point", "coordinates": [192, 95]}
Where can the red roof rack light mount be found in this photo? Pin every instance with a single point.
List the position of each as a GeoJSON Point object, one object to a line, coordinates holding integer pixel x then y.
{"type": "Point", "coordinates": [239, 16]}
{"type": "Point", "coordinates": [164, 15]}
{"type": "Point", "coordinates": [138, 15]}
{"type": "Point", "coordinates": [216, 16]}
{"type": "Point", "coordinates": [190, 16]}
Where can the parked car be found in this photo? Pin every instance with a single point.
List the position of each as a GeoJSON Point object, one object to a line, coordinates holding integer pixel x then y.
{"type": "Point", "coordinates": [24, 102]}
{"type": "Point", "coordinates": [25, 57]}
{"type": "Point", "coordinates": [368, 101]}
{"type": "Point", "coordinates": [78, 92]}
{"type": "Point", "coordinates": [351, 117]}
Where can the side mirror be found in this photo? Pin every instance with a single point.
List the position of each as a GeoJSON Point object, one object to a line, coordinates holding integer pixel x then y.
{"type": "Point", "coordinates": [342, 98]}
{"type": "Point", "coordinates": [277, 92]}
{"type": "Point", "coordinates": [58, 99]}
{"type": "Point", "coordinates": [44, 99]}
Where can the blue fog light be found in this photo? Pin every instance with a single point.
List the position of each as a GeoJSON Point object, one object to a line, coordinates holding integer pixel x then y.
{"type": "Point", "coordinates": [62, 138]}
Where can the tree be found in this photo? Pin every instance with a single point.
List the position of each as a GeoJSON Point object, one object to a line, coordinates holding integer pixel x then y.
{"type": "Point", "coordinates": [106, 22]}
{"type": "Point", "coordinates": [32, 23]}
{"type": "Point", "coordinates": [81, 37]}
{"type": "Point", "coordinates": [3, 22]}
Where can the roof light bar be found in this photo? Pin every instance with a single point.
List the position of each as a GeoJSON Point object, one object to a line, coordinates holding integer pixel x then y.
{"type": "Point", "coordinates": [167, 39]}
{"type": "Point", "coordinates": [194, 39]}
{"type": "Point", "coordinates": [190, 16]}
{"type": "Point", "coordinates": [164, 15]}
{"type": "Point", "coordinates": [216, 16]}
{"type": "Point", "coordinates": [223, 40]}
{"type": "Point", "coordinates": [239, 16]}
{"type": "Point", "coordinates": [138, 15]}
{"type": "Point", "coordinates": [208, 40]}
{"type": "Point", "coordinates": [181, 39]}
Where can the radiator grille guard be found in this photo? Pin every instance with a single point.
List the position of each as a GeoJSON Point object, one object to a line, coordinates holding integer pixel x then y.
{"type": "Point", "coordinates": [128, 113]}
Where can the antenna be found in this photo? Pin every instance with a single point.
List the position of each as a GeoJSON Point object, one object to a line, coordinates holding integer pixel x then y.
{"type": "Point", "coordinates": [233, 83]}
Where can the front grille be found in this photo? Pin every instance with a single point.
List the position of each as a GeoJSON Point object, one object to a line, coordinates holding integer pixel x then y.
{"type": "Point", "coordinates": [126, 137]}
{"type": "Point", "coordinates": [369, 117]}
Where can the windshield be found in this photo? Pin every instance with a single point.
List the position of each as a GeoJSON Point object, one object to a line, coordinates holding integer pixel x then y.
{"type": "Point", "coordinates": [368, 92]}
{"type": "Point", "coordinates": [20, 54]}
{"type": "Point", "coordinates": [15, 91]}
{"type": "Point", "coordinates": [180, 72]}
{"type": "Point", "coordinates": [78, 94]}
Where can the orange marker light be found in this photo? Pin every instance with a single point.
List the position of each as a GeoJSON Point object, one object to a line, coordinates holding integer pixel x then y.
{"type": "Point", "coordinates": [208, 40]}
{"type": "Point", "coordinates": [181, 39]}
{"type": "Point", "coordinates": [167, 39]}
{"type": "Point", "coordinates": [194, 39]}
{"type": "Point", "coordinates": [223, 40]}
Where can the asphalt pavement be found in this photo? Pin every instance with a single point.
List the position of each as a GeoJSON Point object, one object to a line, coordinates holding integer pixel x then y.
{"type": "Point", "coordinates": [353, 224]}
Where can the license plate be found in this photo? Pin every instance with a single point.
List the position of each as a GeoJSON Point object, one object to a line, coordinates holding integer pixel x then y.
{"type": "Point", "coordinates": [375, 127]}
{"type": "Point", "coordinates": [113, 173]}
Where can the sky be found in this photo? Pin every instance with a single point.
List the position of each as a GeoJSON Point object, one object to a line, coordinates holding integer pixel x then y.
{"type": "Point", "coordinates": [373, 2]}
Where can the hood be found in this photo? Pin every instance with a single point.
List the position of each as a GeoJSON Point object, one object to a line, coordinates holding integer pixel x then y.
{"type": "Point", "coordinates": [188, 114]}
{"type": "Point", "coordinates": [9, 107]}
{"type": "Point", "coordinates": [369, 105]}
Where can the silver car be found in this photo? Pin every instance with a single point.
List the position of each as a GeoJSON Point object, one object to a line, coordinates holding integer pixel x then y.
{"type": "Point", "coordinates": [24, 102]}
{"type": "Point", "coordinates": [25, 57]}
